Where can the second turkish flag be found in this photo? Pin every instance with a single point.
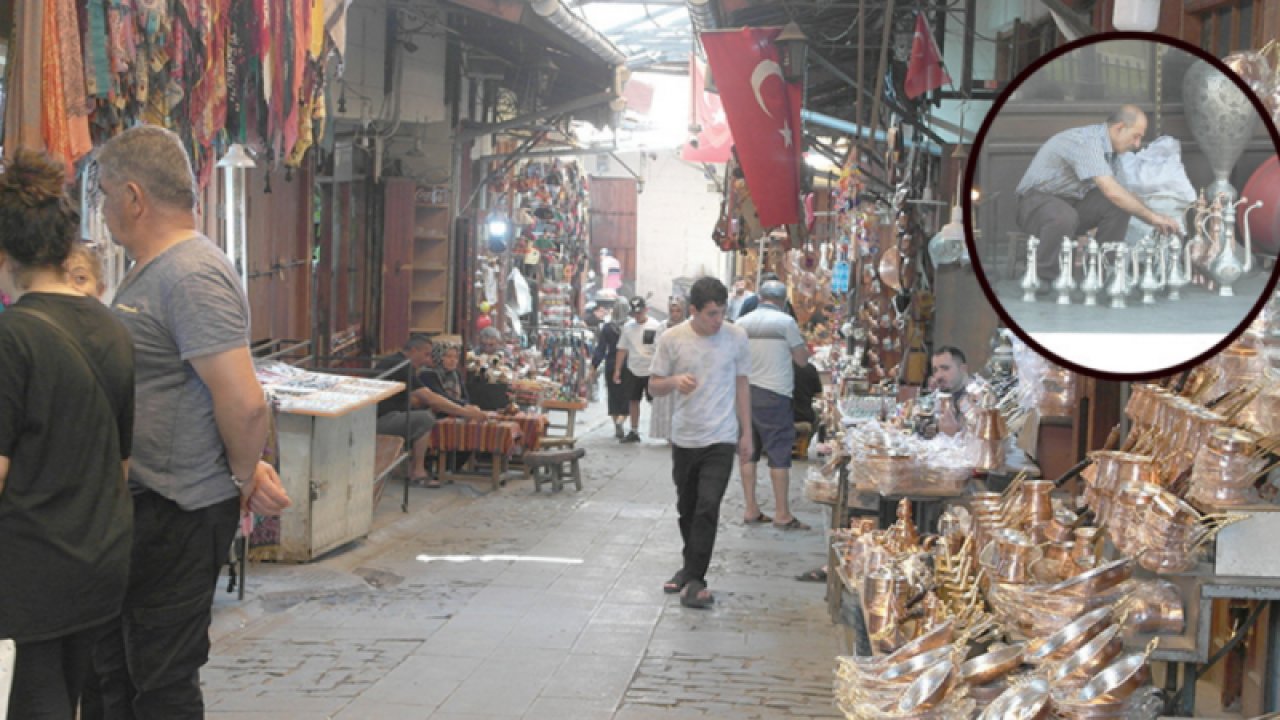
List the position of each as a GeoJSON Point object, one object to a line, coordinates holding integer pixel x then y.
{"type": "Point", "coordinates": [763, 110]}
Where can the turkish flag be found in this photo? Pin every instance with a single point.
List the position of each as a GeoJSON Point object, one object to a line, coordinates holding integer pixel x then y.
{"type": "Point", "coordinates": [714, 138]}
{"type": "Point", "coordinates": [925, 71]}
{"type": "Point", "coordinates": [764, 114]}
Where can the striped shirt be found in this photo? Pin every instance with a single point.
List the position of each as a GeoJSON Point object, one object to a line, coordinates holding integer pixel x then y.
{"type": "Point", "coordinates": [1066, 165]}
{"type": "Point", "coordinates": [772, 334]}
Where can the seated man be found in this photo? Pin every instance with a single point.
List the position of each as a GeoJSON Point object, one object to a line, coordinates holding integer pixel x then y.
{"type": "Point", "coordinates": [808, 385]}
{"type": "Point", "coordinates": [423, 405]}
{"type": "Point", "coordinates": [951, 375]}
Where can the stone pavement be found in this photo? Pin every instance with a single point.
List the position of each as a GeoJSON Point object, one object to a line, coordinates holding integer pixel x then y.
{"type": "Point", "coordinates": [420, 620]}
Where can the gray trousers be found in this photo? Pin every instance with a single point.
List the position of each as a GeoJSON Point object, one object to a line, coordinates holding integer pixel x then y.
{"type": "Point", "coordinates": [1051, 218]}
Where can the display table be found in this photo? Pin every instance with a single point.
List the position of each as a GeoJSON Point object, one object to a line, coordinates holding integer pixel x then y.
{"type": "Point", "coordinates": [326, 427]}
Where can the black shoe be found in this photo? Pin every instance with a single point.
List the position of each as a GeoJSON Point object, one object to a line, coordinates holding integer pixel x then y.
{"type": "Point", "coordinates": [632, 437]}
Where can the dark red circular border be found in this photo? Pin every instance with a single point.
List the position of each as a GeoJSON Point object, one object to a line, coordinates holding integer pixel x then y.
{"type": "Point", "coordinates": [971, 171]}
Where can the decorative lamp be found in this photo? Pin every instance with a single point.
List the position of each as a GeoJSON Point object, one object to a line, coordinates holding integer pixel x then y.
{"type": "Point", "coordinates": [793, 48]}
{"type": "Point", "coordinates": [1141, 15]}
{"type": "Point", "coordinates": [233, 165]}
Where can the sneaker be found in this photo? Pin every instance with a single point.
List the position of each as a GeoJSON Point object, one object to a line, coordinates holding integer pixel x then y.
{"type": "Point", "coordinates": [632, 437]}
{"type": "Point", "coordinates": [617, 431]}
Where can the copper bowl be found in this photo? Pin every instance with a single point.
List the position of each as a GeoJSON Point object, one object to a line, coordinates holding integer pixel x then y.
{"type": "Point", "coordinates": [929, 688]}
{"type": "Point", "coordinates": [1153, 608]}
{"type": "Point", "coordinates": [988, 667]}
{"type": "Point", "coordinates": [909, 669]}
{"type": "Point", "coordinates": [1092, 582]}
{"type": "Point", "coordinates": [1028, 701]}
{"type": "Point", "coordinates": [1091, 657]}
{"type": "Point", "coordinates": [1117, 681]}
{"type": "Point", "coordinates": [938, 636]}
{"type": "Point", "coordinates": [1070, 638]}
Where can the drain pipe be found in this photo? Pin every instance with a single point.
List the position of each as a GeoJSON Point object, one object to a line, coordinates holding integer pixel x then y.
{"type": "Point", "coordinates": [554, 12]}
{"type": "Point", "coordinates": [834, 123]}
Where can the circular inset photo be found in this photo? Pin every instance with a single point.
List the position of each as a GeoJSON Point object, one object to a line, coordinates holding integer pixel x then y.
{"type": "Point", "coordinates": [1124, 226]}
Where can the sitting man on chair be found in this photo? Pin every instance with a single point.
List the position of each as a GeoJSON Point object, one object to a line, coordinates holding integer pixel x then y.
{"type": "Point", "coordinates": [420, 408]}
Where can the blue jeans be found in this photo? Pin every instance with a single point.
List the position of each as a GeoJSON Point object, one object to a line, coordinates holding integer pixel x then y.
{"type": "Point", "coordinates": [148, 664]}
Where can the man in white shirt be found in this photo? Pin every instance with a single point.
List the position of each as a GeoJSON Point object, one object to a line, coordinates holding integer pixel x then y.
{"type": "Point", "coordinates": [776, 343]}
{"type": "Point", "coordinates": [635, 353]}
{"type": "Point", "coordinates": [707, 362]}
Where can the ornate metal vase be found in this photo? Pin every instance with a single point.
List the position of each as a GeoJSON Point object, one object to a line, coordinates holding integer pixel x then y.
{"type": "Point", "coordinates": [1221, 118]}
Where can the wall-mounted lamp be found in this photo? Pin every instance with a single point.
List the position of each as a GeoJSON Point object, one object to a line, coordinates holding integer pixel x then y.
{"type": "Point", "coordinates": [498, 228]}
{"type": "Point", "coordinates": [1141, 15]}
{"type": "Point", "coordinates": [793, 48]}
{"type": "Point", "coordinates": [233, 165]}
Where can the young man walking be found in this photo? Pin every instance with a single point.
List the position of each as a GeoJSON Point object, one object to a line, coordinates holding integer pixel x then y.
{"type": "Point", "coordinates": [706, 362]}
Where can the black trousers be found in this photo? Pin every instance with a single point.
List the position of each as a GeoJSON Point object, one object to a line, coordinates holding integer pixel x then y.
{"type": "Point", "coordinates": [49, 676]}
{"type": "Point", "coordinates": [1051, 218]}
{"type": "Point", "coordinates": [148, 664]}
{"type": "Point", "coordinates": [701, 476]}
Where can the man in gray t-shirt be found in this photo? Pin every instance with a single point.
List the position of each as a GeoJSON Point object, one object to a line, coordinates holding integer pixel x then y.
{"type": "Point", "coordinates": [199, 432]}
{"type": "Point", "coordinates": [707, 362]}
{"type": "Point", "coordinates": [776, 347]}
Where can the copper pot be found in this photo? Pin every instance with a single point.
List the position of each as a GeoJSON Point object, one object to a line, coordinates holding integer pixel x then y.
{"type": "Point", "coordinates": [987, 668]}
{"type": "Point", "coordinates": [1087, 548]}
{"type": "Point", "coordinates": [1117, 681]}
{"type": "Point", "coordinates": [1089, 658]}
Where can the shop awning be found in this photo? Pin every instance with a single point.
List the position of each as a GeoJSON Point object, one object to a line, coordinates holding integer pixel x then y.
{"type": "Point", "coordinates": [545, 54]}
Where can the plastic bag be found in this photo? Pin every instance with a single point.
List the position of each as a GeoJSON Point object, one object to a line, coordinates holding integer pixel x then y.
{"type": "Point", "coordinates": [1157, 170]}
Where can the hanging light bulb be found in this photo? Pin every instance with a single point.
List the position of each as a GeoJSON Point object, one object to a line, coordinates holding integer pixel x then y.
{"type": "Point", "coordinates": [947, 246]}
{"type": "Point", "coordinates": [233, 165]}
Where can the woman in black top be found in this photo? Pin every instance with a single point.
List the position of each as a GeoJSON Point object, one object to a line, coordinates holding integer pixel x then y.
{"type": "Point", "coordinates": [606, 352]}
{"type": "Point", "coordinates": [66, 426]}
{"type": "Point", "coordinates": [443, 377]}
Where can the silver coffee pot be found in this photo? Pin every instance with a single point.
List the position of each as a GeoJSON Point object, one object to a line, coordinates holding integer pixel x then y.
{"type": "Point", "coordinates": [1066, 280]}
{"type": "Point", "coordinates": [1124, 275]}
{"type": "Point", "coordinates": [1030, 281]}
{"type": "Point", "coordinates": [1092, 282]}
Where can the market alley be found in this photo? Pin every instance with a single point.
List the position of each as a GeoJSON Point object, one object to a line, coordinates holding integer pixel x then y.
{"type": "Point", "coordinates": [568, 621]}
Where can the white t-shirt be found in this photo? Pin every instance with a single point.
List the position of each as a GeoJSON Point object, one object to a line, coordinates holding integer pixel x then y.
{"type": "Point", "coordinates": [639, 340]}
{"type": "Point", "coordinates": [707, 415]}
{"type": "Point", "coordinates": [772, 334]}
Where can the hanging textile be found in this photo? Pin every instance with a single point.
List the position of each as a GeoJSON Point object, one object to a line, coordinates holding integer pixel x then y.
{"type": "Point", "coordinates": [97, 68]}
{"type": "Point", "coordinates": [64, 112]}
{"type": "Point", "coordinates": [23, 110]}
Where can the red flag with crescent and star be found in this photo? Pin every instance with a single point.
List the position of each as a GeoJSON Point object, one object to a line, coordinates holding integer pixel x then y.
{"type": "Point", "coordinates": [925, 71]}
{"type": "Point", "coordinates": [763, 110]}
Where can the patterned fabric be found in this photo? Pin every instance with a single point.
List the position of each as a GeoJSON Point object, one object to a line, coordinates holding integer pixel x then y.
{"type": "Point", "coordinates": [454, 434]}
{"type": "Point", "coordinates": [1066, 165]}
{"type": "Point", "coordinates": [64, 123]}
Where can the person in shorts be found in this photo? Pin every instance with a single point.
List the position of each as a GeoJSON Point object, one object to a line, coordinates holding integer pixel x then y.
{"type": "Point", "coordinates": [776, 346]}
{"type": "Point", "coordinates": [635, 354]}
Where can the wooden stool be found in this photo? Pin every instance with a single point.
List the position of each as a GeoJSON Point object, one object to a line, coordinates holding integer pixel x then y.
{"type": "Point", "coordinates": [565, 437]}
{"type": "Point", "coordinates": [545, 466]}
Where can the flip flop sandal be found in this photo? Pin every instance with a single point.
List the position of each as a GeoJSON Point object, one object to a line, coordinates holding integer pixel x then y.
{"type": "Point", "coordinates": [760, 519]}
{"type": "Point", "coordinates": [675, 584]}
{"type": "Point", "coordinates": [691, 597]}
{"type": "Point", "coordinates": [818, 575]}
{"type": "Point", "coordinates": [795, 524]}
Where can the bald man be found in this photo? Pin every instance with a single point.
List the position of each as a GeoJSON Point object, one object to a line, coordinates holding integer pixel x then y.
{"type": "Point", "coordinates": [1071, 188]}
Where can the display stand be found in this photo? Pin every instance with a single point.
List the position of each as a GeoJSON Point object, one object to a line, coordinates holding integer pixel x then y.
{"type": "Point", "coordinates": [327, 443]}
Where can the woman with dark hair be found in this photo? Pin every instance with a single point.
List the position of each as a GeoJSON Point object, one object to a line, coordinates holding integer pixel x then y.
{"type": "Point", "coordinates": [66, 427]}
{"type": "Point", "coordinates": [606, 351]}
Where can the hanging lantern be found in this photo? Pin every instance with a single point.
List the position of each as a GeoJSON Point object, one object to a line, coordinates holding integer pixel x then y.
{"type": "Point", "coordinates": [1140, 15]}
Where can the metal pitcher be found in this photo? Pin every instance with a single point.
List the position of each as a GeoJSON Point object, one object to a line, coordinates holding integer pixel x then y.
{"type": "Point", "coordinates": [1092, 282]}
{"type": "Point", "coordinates": [1030, 281]}
{"type": "Point", "coordinates": [1066, 281]}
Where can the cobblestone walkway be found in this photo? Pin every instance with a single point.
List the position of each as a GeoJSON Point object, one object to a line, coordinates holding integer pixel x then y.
{"type": "Point", "coordinates": [522, 605]}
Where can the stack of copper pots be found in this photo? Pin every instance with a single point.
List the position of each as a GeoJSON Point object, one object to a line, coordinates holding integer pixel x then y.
{"type": "Point", "coordinates": [1111, 471]}
{"type": "Point", "coordinates": [885, 592]}
{"type": "Point", "coordinates": [1225, 470]}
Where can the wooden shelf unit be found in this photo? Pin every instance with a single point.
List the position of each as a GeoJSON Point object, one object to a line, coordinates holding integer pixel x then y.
{"type": "Point", "coordinates": [416, 261]}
